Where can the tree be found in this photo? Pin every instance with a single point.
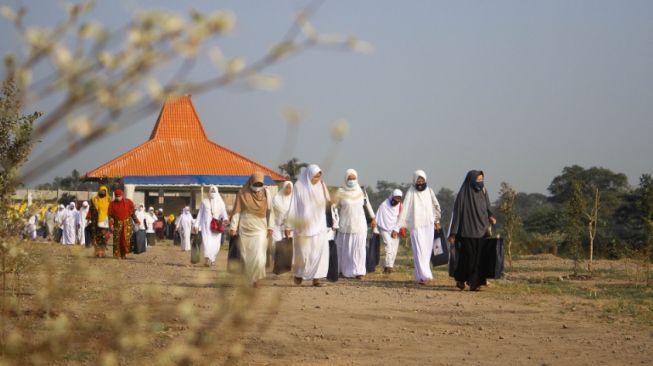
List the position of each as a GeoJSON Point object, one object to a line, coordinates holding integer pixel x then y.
{"type": "Point", "coordinates": [511, 221]}
{"type": "Point", "coordinates": [592, 217]}
{"type": "Point", "coordinates": [613, 187]}
{"type": "Point", "coordinates": [292, 168]}
{"type": "Point", "coordinates": [15, 146]}
{"type": "Point", "coordinates": [446, 197]}
{"type": "Point", "coordinates": [574, 227]}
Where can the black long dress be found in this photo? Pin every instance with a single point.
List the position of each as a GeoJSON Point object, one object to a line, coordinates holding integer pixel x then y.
{"type": "Point", "coordinates": [470, 223]}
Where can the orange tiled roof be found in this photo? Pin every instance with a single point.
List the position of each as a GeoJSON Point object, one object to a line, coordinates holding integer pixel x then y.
{"type": "Point", "coordinates": [179, 146]}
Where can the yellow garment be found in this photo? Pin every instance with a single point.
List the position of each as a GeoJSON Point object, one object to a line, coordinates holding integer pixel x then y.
{"type": "Point", "coordinates": [171, 218]}
{"type": "Point", "coordinates": [102, 204]}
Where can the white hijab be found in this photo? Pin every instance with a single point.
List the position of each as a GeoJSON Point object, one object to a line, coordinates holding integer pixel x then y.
{"type": "Point", "coordinates": [307, 213]}
{"type": "Point", "coordinates": [387, 215]}
{"type": "Point", "coordinates": [215, 202]}
{"type": "Point", "coordinates": [351, 193]}
{"type": "Point", "coordinates": [281, 203]}
{"type": "Point", "coordinates": [418, 206]}
{"type": "Point", "coordinates": [185, 216]}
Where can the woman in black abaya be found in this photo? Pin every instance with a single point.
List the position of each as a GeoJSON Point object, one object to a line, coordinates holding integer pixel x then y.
{"type": "Point", "coordinates": [470, 222]}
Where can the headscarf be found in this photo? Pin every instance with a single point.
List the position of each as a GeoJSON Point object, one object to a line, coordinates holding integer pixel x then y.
{"type": "Point", "coordinates": [418, 206]}
{"type": "Point", "coordinates": [387, 214]}
{"type": "Point", "coordinates": [185, 216]}
{"type": "Point", "coordinates": [307, 213]}
{"type": "Point", "coordinates": [216, 204]}
{"type": "Point", "coordinates": [101, 204]}
{"type": "Point", "coordinates": [255, 203]}
{"type": "Point", "coordinates": [351, 193]}
{"type": "Point", "coordinates": [281, 201]}
{"type": "Point", "coordinates": [71, 206]}
{"type": "Point", "coordinates": [471, 210]}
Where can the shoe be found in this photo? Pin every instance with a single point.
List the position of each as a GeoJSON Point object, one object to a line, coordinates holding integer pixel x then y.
{"type": "Point", "coordinates": [422, 282]}
{"type": "Point", "coordinates": [297, 280]}
{"type": "Point", "coordinates": [359, 277]}
{"type": "Point", "coordinates": [475, 289]}
{"type": "Point", "coordinates": [460, 285]}
{"type": "Point", "coordinates": [318, 283]}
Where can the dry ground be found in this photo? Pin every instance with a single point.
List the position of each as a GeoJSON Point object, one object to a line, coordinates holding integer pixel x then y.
{"type": "Point", "coordinates": [535, 317]}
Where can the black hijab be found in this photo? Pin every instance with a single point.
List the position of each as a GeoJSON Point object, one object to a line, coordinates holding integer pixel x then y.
{"type": "Point", "coordinates": [471, 210]}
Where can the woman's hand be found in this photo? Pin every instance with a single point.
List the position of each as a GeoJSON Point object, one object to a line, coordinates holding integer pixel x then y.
{"type": "Point", "coordinates": [493, 220]}
{"type": "Point", "coordinates": [438, 226]}
{"type": "Point", "coordinates": [286, 233]}
{"type": "Point", "coordinates": [452, 239]}
{"type": "Point", "coordinates": [233, 233]}
{"type": "Point", "coordinates": [373, 223]}
{"type": "Point", "coordinates": [269, 233]}
{"type": "Point", "coordinates": [394, 234]}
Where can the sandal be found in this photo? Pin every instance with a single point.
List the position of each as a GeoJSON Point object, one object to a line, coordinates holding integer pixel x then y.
{"type": "Point", "coordinates": [460, 285]}
{"type": "Point", "coordinates": [297, 280]}
{"type": "Point", "coordinates": [317, 283]}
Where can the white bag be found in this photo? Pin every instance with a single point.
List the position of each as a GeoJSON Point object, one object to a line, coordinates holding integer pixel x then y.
{"type": "Point", "coordinates": [437, 247]}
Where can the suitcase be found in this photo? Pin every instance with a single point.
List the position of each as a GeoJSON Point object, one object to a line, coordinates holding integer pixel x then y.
{"type": "Point", "coordinates": [195, 243]}
{"type": "Point", "coordinates": [332, 274]}
{"type": "Point", "coordinates": [494, 258]}
{"type": "Point", "coordinates": [138, 244]}
{"type": "Point", "coordinates": [283, 256]}
{"type": "Point", "coordinates": [234, 260]}
{"type": "Point", "coordinates": [373, 253]}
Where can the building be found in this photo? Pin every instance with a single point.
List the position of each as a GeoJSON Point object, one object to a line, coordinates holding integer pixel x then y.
{"type": "Point", "coordinates": [175, 166]}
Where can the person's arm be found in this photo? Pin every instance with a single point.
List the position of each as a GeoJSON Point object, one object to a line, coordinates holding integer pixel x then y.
{"type": "Point", "coordinates": [200, 217]}
{"type": "Point", "coordinates": [370, 210]}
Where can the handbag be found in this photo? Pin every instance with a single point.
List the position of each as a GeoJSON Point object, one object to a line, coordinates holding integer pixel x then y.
{"type": "Point", "coordinates": [440, 254]}
{"type": "Point", "coordinates": [217, 226]}
{"type": "Point", "coordinates": [373, 253]}
{"type": "Point", "coordinates": [332, 274]}
{"type": "Point", "coordinates": [493, 255]}
{"type": "Point", "coordinates": [234, 260]}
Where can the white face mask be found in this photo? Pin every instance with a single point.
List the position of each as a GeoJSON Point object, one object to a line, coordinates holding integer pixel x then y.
{"type": "Point", "coordinates": [256, 189]}
{"type": "Point", "coordinates": [213, 194]}
{"type": "Point", "coordinates": [352, 183]}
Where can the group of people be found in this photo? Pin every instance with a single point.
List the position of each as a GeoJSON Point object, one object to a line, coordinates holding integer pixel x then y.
{"type": "Point", "coordinates": [306, 214]}
{"type": "Point", "coordinates": [65, 224]}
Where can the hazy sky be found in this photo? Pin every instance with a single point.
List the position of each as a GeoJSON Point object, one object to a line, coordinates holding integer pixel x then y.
{"type": "Point", "coordinates": [519, 88]}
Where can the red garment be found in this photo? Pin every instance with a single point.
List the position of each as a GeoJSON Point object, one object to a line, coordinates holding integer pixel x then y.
{"type": "Point", "coordinates": [121, 210]}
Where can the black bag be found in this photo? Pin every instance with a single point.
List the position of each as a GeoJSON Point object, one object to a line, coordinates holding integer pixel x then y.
{"type": "Point", "coordinates": [442, 258]}
{"type": "Point", "coordinates": [333, 273]}
{"type": "Point", "coordinates": [494, 258]}
{"type": "Point", "coordinates": [454, 255]}
{"type": "Point", "coordinates": [282, 256]}
{"type": "Point", "coordinates": [176, 238]}
{"type": "Point", "coordinates": [234, 260]}
{"type": "Point", "coordinates": [373, 254]}
{"type": "Point", "coordinates": [138, 242]}
{"type": "Point", "coordinates": [195, 243]}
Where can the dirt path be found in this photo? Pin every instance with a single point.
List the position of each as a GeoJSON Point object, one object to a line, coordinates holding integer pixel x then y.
{"type": "Point", "coordinates": [387, 319]}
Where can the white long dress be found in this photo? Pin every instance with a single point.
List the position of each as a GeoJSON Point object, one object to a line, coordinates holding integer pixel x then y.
{"type": "Point", "coordinates": [184, 226]}
{"type": "Point", "coordinates": [387, 218]}
{"type": "Point", "coordinates": [420, 213]}
{"type": "Point", "coordinates": [210, 240]}
{"type": "Point", "coordinates": [69, 221]}
{"type": "Point", "coordinates": [352, 234]}
{"type": "Point", "coordinates": [307, 220]}
{"type": "Point", "coordinates": [81, 225]}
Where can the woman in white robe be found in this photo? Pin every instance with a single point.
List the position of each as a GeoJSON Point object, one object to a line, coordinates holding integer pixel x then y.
{"type": "Point", "coordinates": [184, 227]}
{"type": "Point", "coordinates": [211, 208]}
{"type": "Point", "coordinates": [150, 233]}
{"type": "Point", "coordinates": [387, 220]}
{"type": "Point", "coordinates": [69, 223]}
{"type": "Point", "coordinates": [58, 223]}
{"type": "Point", "coordinates": [352, 202]}
{"type": "Point", "coordinates": [307, 221]}
{"type": "Point", "coordinates": [421, 215]}
{"type": "Point", "coordinates": [251, 222]}
{"type": "Point", "coordinates": [280, 207]}
{"type": "Point", "coordinates": [81, 223]}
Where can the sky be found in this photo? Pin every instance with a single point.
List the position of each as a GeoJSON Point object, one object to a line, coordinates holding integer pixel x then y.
{"type": "Point", "coordinates": [519, 89]}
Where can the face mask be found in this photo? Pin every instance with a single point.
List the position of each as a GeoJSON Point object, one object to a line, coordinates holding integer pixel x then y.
{"type": "Point", "coordinates": [478, 186]}
{"type": "Point", "coordinates": [213, 194]}
{"type": "Point", "coordinates": [394, 202]}
{"type": "Point", "coordinates": [102, 194]}
{"type": "Point", "coordinates": [420, 186]}
{"type": "Point", "coordinates": [351, 183]}
{"type": "Point", "coordinates": [256, 189]}
{"type": "Point", "coordinates": [119, 198]}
